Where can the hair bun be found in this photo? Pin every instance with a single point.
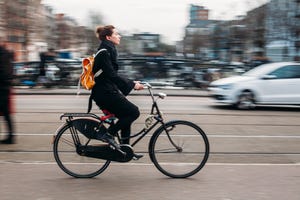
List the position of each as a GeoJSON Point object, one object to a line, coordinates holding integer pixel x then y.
{"type": "Point", "coordinates": [103, 31]}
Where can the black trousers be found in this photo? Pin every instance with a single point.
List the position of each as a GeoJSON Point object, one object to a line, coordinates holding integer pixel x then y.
{"type": "Point", "coordinates": [4, 110]}
{"type": "Point", "coordinates": [124, 110]}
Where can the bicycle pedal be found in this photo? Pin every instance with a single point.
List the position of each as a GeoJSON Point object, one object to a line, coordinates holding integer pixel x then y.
{"type": "Point", "coordinates": [137, 156]}
{"type": "Point", "coordinates": [117, 149]}
{"type": "Point", "coordinates": [112, 147]}
{"type": "Point", "coordinates": [122, 152]}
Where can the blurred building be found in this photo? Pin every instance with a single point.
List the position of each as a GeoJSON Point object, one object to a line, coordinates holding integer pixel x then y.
{"type": "Point", "coordinates": [271, 31]}
{"type": "Point", "coordinates": [144, 44]}
{"type": "Point", "coordinates": [255, 22]}
{"type": "Point", "coordinates": [220, 41]}
{"type": "Point", "coordinates": [42, 33]}
{"type": "Point", "coordinates": [196, 43]}
{"type": "Point", "coordinates": [29, 28]}
{"type": "Point", "coordinates": [17, 21]}
{"type": "Point", "coordinates": [282, 30]}
{"type": "Point", "coordinates": [229, 40]}
{"type": "Point", "coordinates": [237, 40]}
{"type": "Point", "coordinates": [2, 21]}
{"type": "Point", "coordinates": [297, 31]}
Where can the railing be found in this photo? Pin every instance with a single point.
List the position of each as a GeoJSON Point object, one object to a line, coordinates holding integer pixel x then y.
{"type": "Point", "coordinates": [157, 71]}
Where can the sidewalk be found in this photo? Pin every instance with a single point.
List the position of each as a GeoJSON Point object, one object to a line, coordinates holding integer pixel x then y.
{"type": "Point", "coordinates": [171, 91]}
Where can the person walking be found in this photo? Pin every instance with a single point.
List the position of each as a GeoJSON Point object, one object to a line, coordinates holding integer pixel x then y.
{"type": "Point", "coordinates": [110, 90]}
{"type": "Point", "coordinates": [6, 76]}
{"type": "Point", "coordinates": [45, 57]}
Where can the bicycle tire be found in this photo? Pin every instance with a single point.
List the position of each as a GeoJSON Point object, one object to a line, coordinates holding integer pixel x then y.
{"type": "Point", "coordinates": [66, 156]}
{"type": "Point", "coordinates": [184, 162]}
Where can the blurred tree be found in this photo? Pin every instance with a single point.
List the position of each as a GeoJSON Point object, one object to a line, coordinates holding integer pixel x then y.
{"type": "Point", "coordinates": [94, 19]}
{"type": "Point", "coordinates": [167, 48]}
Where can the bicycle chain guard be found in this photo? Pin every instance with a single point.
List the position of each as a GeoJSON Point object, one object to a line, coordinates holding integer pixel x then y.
{"type": "Point", "coordinates": [105, 152]}
{"type": "Point", "coordinates": [90, 128]}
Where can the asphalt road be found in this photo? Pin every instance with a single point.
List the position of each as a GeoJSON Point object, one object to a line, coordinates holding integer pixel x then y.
{"type": "Point", "coordinates": [254, 154]}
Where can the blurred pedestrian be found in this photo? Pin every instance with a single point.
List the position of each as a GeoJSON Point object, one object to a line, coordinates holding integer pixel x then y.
{"type": "Point", "coordinates": [111, 90]}
{"type": "Point", "coordinates": [6, 77]}
{"type": "Point", "coordinates": [45, 57]}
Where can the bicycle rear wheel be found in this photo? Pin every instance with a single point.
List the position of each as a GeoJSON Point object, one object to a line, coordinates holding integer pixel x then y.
{"type": "Point", "coordinates": [180, 149]}
{"type": "Point", "coordinates": [65, 152]}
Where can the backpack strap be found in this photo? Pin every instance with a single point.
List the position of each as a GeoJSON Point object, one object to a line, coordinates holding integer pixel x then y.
{"type": "Point", "coordinates": [100, 70]}
{"type": "Point", "coordinates": [100, 51]}
{"type": "Point", "coordinates": [90, 105]}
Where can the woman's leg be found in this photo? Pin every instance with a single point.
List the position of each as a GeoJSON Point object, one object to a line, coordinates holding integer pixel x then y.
{"type": "Point", "coordinates": [127, 113]}
{"type": "Point", "coordinates": [124, 110]}
{"type": "Point", "coordinates": [4, 103]}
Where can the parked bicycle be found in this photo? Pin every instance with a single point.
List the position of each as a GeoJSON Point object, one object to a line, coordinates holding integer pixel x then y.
{"type": "Point", "coordinates": [177, 148]}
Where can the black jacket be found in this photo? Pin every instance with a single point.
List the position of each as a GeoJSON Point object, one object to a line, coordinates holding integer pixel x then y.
{"type": "Point", "coordinates": [109, 81]}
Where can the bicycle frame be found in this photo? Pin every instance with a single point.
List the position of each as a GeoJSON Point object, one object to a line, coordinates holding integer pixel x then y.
{"type": "Point", "coordinates": [81, 129]}
{"type": "Point", "coordinates": [155, 114]}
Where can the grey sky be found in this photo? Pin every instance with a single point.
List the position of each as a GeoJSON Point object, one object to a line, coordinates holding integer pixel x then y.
{"type": "Point", "coordinates": [165, 17]}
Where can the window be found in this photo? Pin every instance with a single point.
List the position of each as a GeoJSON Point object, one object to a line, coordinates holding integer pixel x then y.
{"type": "Point", "coordinates": [292, 71]}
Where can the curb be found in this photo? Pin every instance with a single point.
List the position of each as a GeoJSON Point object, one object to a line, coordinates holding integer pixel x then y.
{"type": "Point", "coordinates": [70, 91]}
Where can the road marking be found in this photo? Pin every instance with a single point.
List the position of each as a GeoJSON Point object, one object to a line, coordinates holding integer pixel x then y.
{"type": "Point", "coordinates": [255, 136]}
{"type": "Point", "coordinates": [148, 164]}
{"type": "Point", "coordinates": [208, 135]}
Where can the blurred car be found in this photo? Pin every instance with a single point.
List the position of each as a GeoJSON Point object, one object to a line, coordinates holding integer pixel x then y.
{"type": "Point", "coordinates": [272, 83]}
{"type": "Point", "coordinates": [24, 69]}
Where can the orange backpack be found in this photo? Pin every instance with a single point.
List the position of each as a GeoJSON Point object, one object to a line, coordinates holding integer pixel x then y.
{"type": "Point", "coordinates": [87, 77]}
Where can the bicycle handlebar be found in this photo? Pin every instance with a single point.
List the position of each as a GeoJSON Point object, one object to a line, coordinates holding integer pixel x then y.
{"type": "Point", "coordinates": [146, 84]}
{"type": "Point", "coordinates": [149, 87]}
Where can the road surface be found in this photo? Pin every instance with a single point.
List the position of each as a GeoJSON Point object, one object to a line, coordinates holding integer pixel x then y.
{"type": "Point", "coordinates": [254, 154]}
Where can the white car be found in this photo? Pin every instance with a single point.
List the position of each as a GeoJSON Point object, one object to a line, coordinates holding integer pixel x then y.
{"type": "Point", "coordinates": [273, 83]}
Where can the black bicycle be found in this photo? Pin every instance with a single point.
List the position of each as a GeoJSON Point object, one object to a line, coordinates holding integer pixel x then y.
{"type": "Point", "coordinates": [177, 148]}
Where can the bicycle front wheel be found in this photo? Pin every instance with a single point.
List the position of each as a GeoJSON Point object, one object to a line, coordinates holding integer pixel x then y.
{"type": "Point", "coordinates": [65, 151]}
{"type": "Point", "coordinates": [179, 149]}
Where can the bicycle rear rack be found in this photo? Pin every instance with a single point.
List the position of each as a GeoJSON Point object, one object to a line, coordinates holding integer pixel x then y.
{"type": "Point", "coordinates": [72, 115]}
{"type": "Point", "coordinates": [108, 117]}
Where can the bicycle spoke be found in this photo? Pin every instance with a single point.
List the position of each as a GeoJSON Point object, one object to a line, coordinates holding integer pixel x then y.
{"type": "Point", "coordinates": [171, 150]}
{"type": "Point", "coordinates": [67, 156]}
{"type": "Point", "coordinates": [177, 154]}
{"type": "Point", "coordinates": [68, 142]}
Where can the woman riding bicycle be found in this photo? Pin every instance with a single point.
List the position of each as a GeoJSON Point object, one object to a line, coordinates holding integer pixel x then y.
{"type": "Point", "coordinates": [110, 90]}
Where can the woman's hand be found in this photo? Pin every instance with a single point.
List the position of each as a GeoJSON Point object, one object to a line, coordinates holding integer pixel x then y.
{"type": "Point", "coordinates": [138, 85]}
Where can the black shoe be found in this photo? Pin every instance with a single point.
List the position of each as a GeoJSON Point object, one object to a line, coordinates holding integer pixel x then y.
{"type": "Point", "coordinates": [137, 156]}
{"type": "Point", "coordinates": [110, 140]}
{"type": "Point", "coordinates": [9, 140]}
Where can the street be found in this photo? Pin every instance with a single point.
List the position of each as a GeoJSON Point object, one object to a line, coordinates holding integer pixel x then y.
{"type": "Point", "coordinates": [254, 154]}
{"type": "Point", "coordinates": [45, 181]}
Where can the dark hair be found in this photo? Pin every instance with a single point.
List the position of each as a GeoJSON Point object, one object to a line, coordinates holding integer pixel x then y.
{"type": "Point", "coordinates": [103, 31]}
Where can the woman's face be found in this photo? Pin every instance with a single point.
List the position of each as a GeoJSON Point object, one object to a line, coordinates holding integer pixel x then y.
{"type": "Point", "coordinates": [115, 37]}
